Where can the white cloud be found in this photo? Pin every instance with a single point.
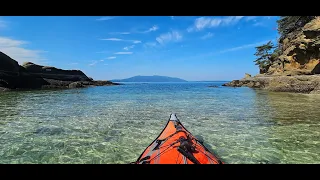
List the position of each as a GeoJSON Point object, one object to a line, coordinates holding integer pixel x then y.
{"type": "Point", "coordinates": [207, 36]}
{"type": "Point", "coordinates": [111, 57]}
{"type": "Point", "coordinates": [211, 22]}
{"type": "Point", "coordinates": [243, 47]}
{"type": "Point", "coordinates": [128, 47]}
{"type": "Point", "coordinates": [123, 53]}
{"type": "Point", "coordinates": [105, 18]}
{"type": "Point", "coordinates": [153, 28]}
{"type": "Point", "coordinates": [117, 39]}
{"type": "Point", "coordinates": [170, 36]}
{"type": "Point", "coordinates": [112, 39]}
{"type": "Point", "coordinates": [249, 18]}
{"type": "Point", "coordinates": [14, 49]}
{"type": "Point", "coordinates": [101, 60]}
{"type": "Point", "coordinates": [7, 42]}
{"type": "Point", "coordinates": [136, 42]}
{"type": "Point", "coordinates": [93, 63]}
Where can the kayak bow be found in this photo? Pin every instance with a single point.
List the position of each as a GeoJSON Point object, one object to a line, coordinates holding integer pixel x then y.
{"type": "Point", "coordinates": [176, 145]}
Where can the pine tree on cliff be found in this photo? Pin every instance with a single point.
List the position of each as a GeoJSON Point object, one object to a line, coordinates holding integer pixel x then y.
{"type": "Point", "coordinates": [264, 54]}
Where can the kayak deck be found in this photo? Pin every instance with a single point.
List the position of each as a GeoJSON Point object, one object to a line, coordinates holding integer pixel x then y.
{"type": "Point", "coordinates": [176, 145]}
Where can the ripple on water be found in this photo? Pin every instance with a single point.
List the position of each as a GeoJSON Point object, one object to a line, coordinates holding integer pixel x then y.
{"type": "Point", "coordinates": [115, 124]}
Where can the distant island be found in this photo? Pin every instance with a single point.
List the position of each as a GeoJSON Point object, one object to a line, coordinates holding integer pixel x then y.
{"type": "Point", "coordinates": [154, 78]}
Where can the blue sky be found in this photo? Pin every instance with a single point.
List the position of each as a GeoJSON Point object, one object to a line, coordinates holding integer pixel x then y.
{"type": "Point", "coordinates": [112, 47]}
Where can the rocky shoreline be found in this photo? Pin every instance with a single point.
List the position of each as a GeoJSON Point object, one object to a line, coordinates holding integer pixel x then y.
{"type": "Point", "coordinates": [294, 64]}
{"type": "Point", "coordinates": [308, 84]}
{"type": "Point", "coordinates": [32, 76]}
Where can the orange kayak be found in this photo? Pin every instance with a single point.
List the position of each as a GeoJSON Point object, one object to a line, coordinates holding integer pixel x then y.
{"type": "Point", "coordinates": [176, 145]}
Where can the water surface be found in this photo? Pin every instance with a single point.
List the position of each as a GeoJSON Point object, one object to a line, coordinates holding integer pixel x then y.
{"type": "Point", "coordinates": [114, 124]}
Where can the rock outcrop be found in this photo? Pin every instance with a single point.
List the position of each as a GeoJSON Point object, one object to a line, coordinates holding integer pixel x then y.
{"type": "Point", "coordinates": [300, 52]}
{"type": "Point", "coordinates": [296, 84]}
{"type": "Point", "coordinates": [32, 76]}
{"type": "Point", "coordinates": [296, 69]}
{"type": "Point", "coordinates": [54, 73]}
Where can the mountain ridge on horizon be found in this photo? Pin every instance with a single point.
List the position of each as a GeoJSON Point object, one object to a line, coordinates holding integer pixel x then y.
{"type": "Point", "coordinates": [153, 78]}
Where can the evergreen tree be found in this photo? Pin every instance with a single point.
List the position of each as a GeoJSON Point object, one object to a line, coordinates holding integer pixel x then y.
{"type": "Point", "coordinates": [265, 56]}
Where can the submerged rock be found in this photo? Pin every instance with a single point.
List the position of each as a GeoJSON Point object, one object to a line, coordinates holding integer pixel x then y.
{"type": "Point", "coordinates": [53, 130]}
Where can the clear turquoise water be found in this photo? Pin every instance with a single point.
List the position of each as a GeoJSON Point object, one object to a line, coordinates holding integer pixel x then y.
{"type": "Point", "coordinates": [114, 124]}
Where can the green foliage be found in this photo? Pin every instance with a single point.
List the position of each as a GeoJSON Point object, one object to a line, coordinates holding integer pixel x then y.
{"type": "Point", "coordinates": [265, 56]}
{"type": "Point", "coordinates": [276, 53]}
{"type": "Point", "coordinates": [268, 53]}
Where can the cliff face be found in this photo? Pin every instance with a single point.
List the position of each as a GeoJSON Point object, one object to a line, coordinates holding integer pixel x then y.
{"type": "Point", "coordinates": [8, 64]}
{"type": "Point", "coordinates": [32, 76]}
{"type": "Point", "coordinates": [300, 52]}
{"type": "Point", "coordinates": [14, 76]}
{"type": "Point", "coordinates": [54, 73]}
{"type": "Point", "coordinates": [296, 68]}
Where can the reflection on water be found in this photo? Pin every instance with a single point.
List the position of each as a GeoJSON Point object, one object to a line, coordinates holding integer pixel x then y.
{"type": "Point", "coordinates": [115, 124]}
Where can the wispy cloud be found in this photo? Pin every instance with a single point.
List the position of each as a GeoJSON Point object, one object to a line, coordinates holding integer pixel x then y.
{"type": "Point", "coordinates": [14, 49]}
{"type": "Point", "coordinates": [73, 63]}
{"type": "Point", "coordinates": [111, 57]}
{"type": "Point", "coordinates": [153, 28]}
{"type": "Point", "coordinates": [117, 39]}
{"type": "Point", "coordinates": [207, 36]}
{"type": "Point", "coordinates": [238, 48]}
{"type": "Point", "coordinates": [211, 22]}
{"type": "Point", "coordinates": [105, 18]}
{"type": "Point", "coordinates": [123, 53]}
{"type": "Point", "coordinates": [168, 37]}
{"type": "Point", "coordinates": [127, 48]}
{"type": "Point", "coordinates": [112, 39]}
{"type": "Point", "coordinates": [136, 42]}
{"type": "Point", "coordinates": [249, 18]}
{"type": "Point", "coordinates": [243, 47]}
{"type": "Point", "coordinates": [93, 63]}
